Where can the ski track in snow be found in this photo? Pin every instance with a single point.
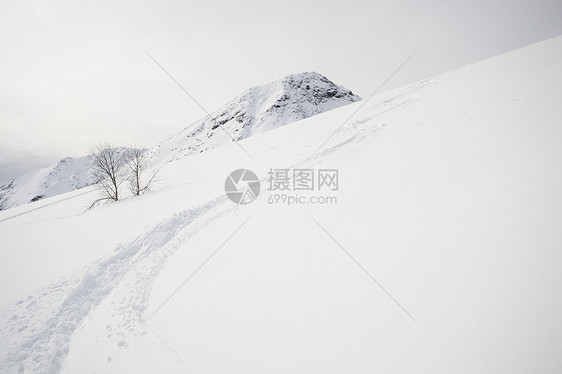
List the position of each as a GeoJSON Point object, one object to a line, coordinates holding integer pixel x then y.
{"type": "Point", "coordinates": [44, 206]}
{"type": "Point", "coordinates": [41, 326]}
{"type": "Point", "coordinates": [364, 125]}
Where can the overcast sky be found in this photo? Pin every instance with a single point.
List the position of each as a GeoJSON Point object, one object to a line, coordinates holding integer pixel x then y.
{"type": "Point", "coordinates": [73, 73]}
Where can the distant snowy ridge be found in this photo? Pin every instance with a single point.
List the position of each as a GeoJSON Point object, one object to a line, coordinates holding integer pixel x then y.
{"type": "Point", "coordinates": [258, 109]}
{"type": "Point", "coordinates": [67, 175]}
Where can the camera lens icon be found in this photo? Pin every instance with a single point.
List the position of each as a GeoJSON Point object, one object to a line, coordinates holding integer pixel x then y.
{"type": "Point", "coordinates": [242, 186]}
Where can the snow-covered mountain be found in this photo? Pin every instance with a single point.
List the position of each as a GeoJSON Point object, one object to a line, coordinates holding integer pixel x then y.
{"type": "Point", "coordinates": [441, 253]}
{"type": "Point", "coordinates": [67, 175]}
{"type": "Point", "coordinates": [258, 109]}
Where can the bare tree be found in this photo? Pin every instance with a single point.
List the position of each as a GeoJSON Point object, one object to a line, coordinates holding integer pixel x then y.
{"type": "Point", "coordinates": [105, 168]}
{"type": "Point", "coordinates": [140, 179]}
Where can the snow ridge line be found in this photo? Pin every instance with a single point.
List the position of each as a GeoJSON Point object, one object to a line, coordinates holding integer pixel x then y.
{"type": "Point", "coordinates": [43, 349]}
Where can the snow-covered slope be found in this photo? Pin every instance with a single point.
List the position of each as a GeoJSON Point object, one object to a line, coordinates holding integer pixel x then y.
{"type": "Point", "coordinates": [67, 175]}
{"type": "Point", "coordinates": [441, 255]}
{"type": "Point", "coordinates": [258, 109]}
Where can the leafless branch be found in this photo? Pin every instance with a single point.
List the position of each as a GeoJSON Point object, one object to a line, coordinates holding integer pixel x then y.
{"type": "Point", "coordinates": [106, 170]}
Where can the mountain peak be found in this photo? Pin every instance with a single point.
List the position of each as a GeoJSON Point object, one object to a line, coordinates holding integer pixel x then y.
{"type": "Point", "coordinates": [69, 174]}
{"type": "Point", "coordinates": [310, 80]}
{"type": "Point", "coordinates": [258, 109]}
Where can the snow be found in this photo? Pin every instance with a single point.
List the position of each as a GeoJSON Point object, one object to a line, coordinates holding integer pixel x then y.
{"type": "Point", "coordinates": [449, 198]}
{"type": "Point", "coordinates": [67, 175]}
{"type": "Point", "coordinates": [257, 110]}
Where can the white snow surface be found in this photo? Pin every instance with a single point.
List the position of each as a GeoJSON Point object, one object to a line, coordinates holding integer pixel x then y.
{"type": "Point", "coordinates": [258, 109]}
{"type": "Point", "coordinates": [441, 255]}
{"type": "Point", "coordinates": [67, 175]}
